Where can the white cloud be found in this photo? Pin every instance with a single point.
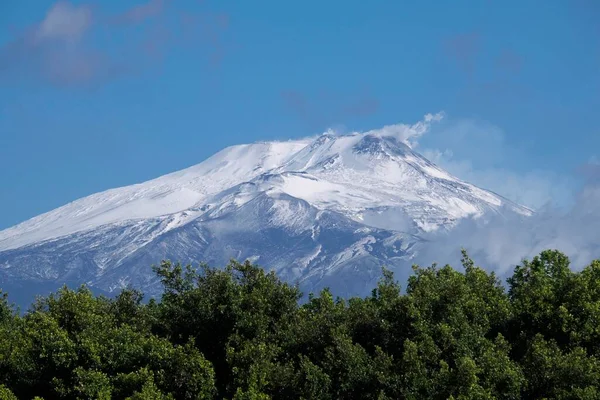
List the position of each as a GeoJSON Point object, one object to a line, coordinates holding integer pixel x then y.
{"type": "Point", "coordinates": [65, 22]}
{"type": "Point", "coordinates": [533, 188]}
{"type": "Point", "coordinates": [55, 49]}
{"type": "Point", "coordinates": [60, 49]}
{"type": "Point", "coordinates": [434, 117]}
{"type": "Point", "coordinates": [479, 153]}
{"type": "Point", "coordinates": [567, 218]}
{"type": "Point", "coordinates": [408, 134]}
{"type": "Point", "coordinates": [502, 243]}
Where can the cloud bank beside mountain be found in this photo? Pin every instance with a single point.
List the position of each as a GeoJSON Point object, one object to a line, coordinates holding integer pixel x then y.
{"type": "Point", "coordinates": [567, 205]}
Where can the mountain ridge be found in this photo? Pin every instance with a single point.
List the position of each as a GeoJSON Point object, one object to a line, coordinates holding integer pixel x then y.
{"type": "Point", "coordinates": [328, 210]}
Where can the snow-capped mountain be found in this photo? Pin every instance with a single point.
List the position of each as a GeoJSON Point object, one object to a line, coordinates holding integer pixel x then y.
{"type": "Point", "coordinates": [328, 211]}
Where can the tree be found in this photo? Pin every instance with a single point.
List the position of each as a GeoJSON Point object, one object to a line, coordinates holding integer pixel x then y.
{"type": "Point", "coordinates": [241, 333]}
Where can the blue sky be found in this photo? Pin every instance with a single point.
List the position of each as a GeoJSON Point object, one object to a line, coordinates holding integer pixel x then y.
{"type": "Point", "coordinates": [103, 94]}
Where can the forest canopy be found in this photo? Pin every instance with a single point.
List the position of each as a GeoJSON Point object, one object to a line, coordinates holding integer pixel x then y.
{"type": "Point", "coordinates": [242, 333]}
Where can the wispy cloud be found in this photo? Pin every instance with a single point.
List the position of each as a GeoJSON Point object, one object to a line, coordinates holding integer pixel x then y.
{"type": "Point", "coordinates": [591, 170]}
{"type": "Point", "coordinates": [141, 12]}
{"type": "Point", "coordinates": [566, 218]}
{"type": "Point", "coordinates": [60, 49]}
{"type": "Point", "coordinates": [480, 153]}
{"type": "Point", "coordinates": [54, 48]}
{"type": "Point", "coordinates": [409, 134]}
{"type": "Point", "coordinates": [64, 22]}
{"type": "Point", "coordinates": [501, 243]}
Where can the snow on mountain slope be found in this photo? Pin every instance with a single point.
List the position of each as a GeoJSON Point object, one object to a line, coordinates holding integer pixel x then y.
{"type": "Point", "coordinates": [349, 174]}
{"type": "Point", "coordinates": [162, 196]}
{"type": "Point", "coordinates": [322, 211]}
{"type": "Point", "coordinates": [313, 247]}
{"type": "Point", "coordinates": [357, 173]}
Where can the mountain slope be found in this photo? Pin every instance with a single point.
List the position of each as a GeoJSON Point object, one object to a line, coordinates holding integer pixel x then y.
{"type": "Point", "coordinates": [322, 212]}
{"type": "Point", "coordinates": [165, 195]}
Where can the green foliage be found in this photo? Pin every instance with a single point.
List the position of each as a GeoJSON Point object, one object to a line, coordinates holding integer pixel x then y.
{"type": "Point", "coordinates": [6, 394]}
{"type": "Point", "coordinates": [241, 333]}
{"type": "Point", "coordinates": [75, 346]}
{"type": "Point", "coordinates": [6, 310]}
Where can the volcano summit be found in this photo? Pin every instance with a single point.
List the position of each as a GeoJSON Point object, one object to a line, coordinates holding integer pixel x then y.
{"type": "Point", "coordinates": [326, 211]}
